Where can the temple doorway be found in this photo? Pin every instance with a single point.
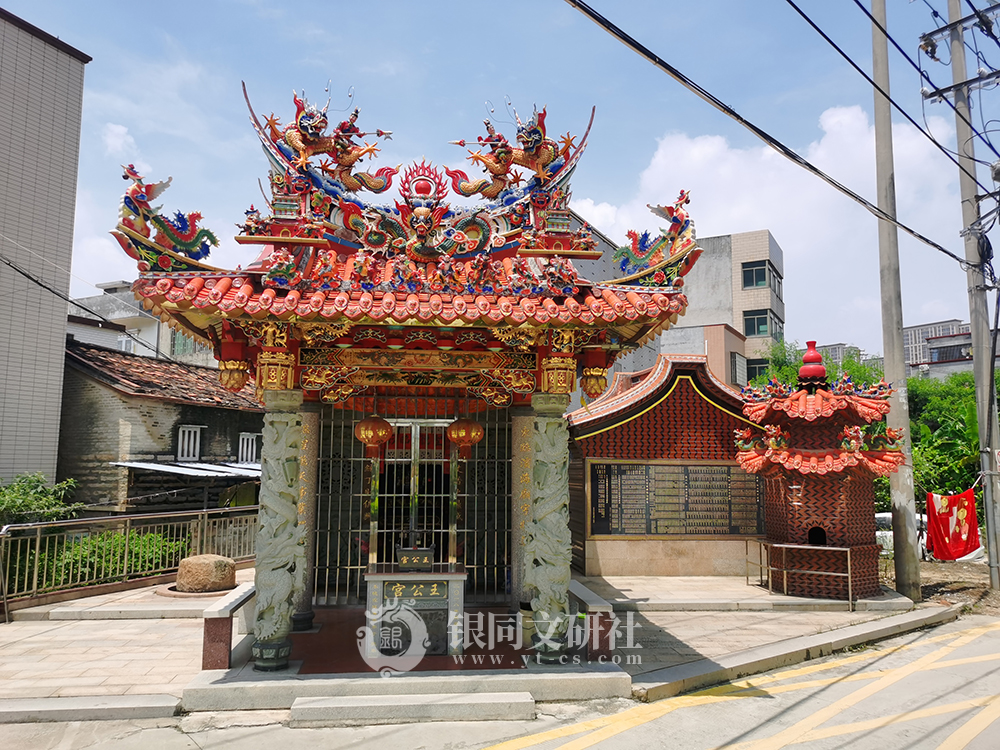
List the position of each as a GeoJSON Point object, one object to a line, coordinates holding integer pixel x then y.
{"type": "Point", "coordinates": [414, 490]}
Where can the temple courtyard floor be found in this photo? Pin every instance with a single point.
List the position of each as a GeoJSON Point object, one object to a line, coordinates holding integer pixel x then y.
{"type": "Point", "coordinates": [132, 660]}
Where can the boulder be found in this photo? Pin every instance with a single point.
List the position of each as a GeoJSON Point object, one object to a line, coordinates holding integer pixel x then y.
{"type": "Point", "coordinates": [202, 573]}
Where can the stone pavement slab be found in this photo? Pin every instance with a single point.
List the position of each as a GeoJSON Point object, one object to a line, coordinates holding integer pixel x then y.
{"type": "Point", "coordinates": [103, 708]}
{"type": "Point", "coordinates": [718, 593]}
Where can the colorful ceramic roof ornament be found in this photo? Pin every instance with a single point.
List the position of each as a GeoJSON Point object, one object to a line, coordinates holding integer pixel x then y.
{"type": "Point", "coordinates": [818, 428]}
{"type": "Point", "coordinates": [416, 293]}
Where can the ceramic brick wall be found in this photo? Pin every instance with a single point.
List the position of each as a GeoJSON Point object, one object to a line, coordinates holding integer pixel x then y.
{"type": "Point", "coordinates": [41, 96]}
{"type": "Point", "coordinates": [100, 425]}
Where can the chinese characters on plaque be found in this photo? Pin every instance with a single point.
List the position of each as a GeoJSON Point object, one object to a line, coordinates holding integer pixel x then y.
{"type": "Point", "coordinates": [639, 499]}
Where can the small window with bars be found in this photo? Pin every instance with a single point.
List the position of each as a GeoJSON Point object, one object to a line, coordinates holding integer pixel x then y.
{"type": "Point", "coordinates": [189, 442]}
{"type": "Point", "coordinates": [249, 447]}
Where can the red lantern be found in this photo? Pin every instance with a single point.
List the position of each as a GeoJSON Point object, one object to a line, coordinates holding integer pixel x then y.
{"type": "Point", "coordinates": [373, 431]}
{"type": "Point", "coordinates": [465, 433]}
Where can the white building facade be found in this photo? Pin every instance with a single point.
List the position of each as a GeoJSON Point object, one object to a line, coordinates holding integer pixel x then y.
{"type": "Point", "coordinates": [41, 102]}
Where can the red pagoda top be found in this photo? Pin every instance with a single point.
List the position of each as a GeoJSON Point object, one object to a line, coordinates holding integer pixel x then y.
{"type": "Point", "coordinates": [816, 428]}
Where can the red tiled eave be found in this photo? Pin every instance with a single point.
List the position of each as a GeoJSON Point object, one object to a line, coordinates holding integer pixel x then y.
{"type": "Point", "coordinates": [234, 297]}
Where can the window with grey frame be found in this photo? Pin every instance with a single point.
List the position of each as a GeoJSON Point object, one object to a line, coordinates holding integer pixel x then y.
{"type": "Point", "coordinates": [759, 274]}
{"type": "Point", "coordinates": [763, 323]}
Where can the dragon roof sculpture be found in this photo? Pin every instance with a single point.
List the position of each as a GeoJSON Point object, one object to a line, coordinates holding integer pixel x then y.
{"type": "Point", "coordinates": [328, 255]}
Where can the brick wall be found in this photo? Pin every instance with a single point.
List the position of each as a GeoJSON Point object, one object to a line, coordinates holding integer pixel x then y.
{"type": "Point", "coordinates": [100, 425]}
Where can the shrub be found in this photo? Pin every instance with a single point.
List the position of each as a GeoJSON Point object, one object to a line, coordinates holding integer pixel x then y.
{"type": "Point", "coordinates": [28, 498]}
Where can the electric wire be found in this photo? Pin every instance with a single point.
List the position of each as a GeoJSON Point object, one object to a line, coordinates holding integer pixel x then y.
{"type": "Point", "coordinates": [923, 74]}
{"type": "Point", "coordinates": [69, 273]}
{"type": "Point", "coordinates": [985, 25]}
{"type": "Point", "coordinates": [885, 94]}
{"type": "Point", "coordinates": [770, 140]}
{"type": "Point", "coordinates": [193, 369]}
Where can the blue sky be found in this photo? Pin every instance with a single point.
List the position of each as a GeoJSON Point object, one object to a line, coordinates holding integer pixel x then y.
{"type": "Point", "coordinates": [163, 91]}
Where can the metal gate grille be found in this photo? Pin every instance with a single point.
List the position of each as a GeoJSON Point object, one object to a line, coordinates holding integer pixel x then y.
{"type": "Point", "coordinates": [414, 491]}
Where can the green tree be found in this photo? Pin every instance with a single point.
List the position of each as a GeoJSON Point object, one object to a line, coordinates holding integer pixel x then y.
{"type": "Point", "coordinates": [29, 498]}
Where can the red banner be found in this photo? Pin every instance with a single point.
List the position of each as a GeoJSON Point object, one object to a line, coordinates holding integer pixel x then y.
{"type": "Point", "coordinates": [952, 526]}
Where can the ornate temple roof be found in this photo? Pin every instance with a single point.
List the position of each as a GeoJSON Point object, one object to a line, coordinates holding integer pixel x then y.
{"type": "Point", "coordinates": [327, 257]}
{"type": "Point", "coordinates": [631, 394]}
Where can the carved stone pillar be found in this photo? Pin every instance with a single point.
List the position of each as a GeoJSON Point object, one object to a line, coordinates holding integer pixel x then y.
{"type": "Point", "coordinates": [522, 423]}
{"type": "Point", "coordinates": [280, 567]}
{"type": "Point", "coordinates": [308, 476]}
{"type": "Point", "coordinates": [548, 552]}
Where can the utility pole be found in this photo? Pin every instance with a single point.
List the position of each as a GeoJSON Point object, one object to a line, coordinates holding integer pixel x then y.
{"type": "Point", "coordinates": [904, 514]}
{"type": "Point", "coordinates": [978, 312]}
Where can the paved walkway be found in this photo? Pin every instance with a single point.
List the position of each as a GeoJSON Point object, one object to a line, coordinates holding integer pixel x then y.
{"type": "Point", "coordinates": [139, 642]}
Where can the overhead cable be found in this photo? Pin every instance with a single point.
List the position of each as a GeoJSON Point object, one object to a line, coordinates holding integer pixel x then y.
{"type": "Point", "coordinates": [885, 94]}
{"type": "Point", "coordinates": [923, 74]}
{"type": "Point", "coordinates": [770, 140]}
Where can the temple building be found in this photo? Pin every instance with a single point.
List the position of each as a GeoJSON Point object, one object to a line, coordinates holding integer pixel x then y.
{"type": "Point", "coordinates": [415, 360]}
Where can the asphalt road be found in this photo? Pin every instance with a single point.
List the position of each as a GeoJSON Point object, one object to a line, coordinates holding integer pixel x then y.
{"type": "Point", "coordinates": [938, 688]}
{"type": "Point", "coordinates": [934, 689]}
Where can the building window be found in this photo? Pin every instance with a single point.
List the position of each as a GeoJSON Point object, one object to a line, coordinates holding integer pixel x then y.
{"type": "Point", "coordinates": [755, 323]}
{"type": "Point", "coordinates": [756, 368]}
{"type": "Point", "coordinates": [755, 274]}
{"type": "Point", "coordinates": [181, 344]}
{"type": "Point", "coordinates": [189, 442]}
{"type": "Point", "coordinates": [759, 274]}
{"type": "Point", "coordinates": [126, 343]}
{"type": "Point", "coordinates": [249, 451]}
{"type": "Point", "coordinates": [738, 369]}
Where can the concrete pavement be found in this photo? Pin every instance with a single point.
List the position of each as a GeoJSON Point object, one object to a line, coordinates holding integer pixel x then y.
{"type": "Point", "coordinates": [140, 650]}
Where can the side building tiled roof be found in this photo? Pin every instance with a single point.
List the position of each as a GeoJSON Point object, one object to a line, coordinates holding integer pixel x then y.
{"type": "Point", "coordinates": [134, 375]}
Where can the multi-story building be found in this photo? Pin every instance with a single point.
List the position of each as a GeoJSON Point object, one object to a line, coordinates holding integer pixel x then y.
{"type": "Point", "coordinates": [41, 102]}
{"type": "Point", "coordinates": [143, 334]}
{"type": "Point", "coordinates": [916, 349]}
{"type": "Point", "coordinates": [737, 306]}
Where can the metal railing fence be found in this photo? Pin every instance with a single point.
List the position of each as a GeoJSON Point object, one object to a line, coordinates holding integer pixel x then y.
{"type": "Point", "coordinates": [767, 566]}
{"type": "Point", "coordinates": [47, 557]}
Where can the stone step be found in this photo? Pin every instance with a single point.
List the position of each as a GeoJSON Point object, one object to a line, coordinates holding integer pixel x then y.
{"type": "Point", "coordinates": [359, 710]}
{"type": "Point", "coordinates": [243, 689]}
{"type": "Point", "coordinates": [87, 708]}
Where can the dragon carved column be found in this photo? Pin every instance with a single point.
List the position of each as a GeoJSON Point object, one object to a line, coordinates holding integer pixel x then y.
{"type": "Point", "coordinates": [548, 548]}
{"type": "Point", "coordinates": [281, 563]}
{"type": "Point", "coordinates": [308, 476]}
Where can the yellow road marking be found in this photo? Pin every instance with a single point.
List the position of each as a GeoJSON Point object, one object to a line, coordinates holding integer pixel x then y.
{"type": "Point", "coordinates": [880, 723]}
{"type": "Point", "coordinates": [834, 663]}
{"type": "Point", "coordinates": [609, 726]}
{"type": "Point", "coordinates": [973, 727]}
{"type": "Point", "coordinates": [792, 734]}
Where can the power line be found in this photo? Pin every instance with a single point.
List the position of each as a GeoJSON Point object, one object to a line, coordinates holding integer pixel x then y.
{"type": "Point", "coordinates": [923, 74]}
{"type": "Point", "coordinates": [49, 288]}
{"type": "Point", "coordinates": [770, 140]}
{"type": "Point", "coordinates": [885, 94]}
{"type": "Point", "coordinates": [985, 24]}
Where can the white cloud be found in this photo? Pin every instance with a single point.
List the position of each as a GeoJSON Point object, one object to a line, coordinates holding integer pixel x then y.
{"type": "Point", "coordinates": [119, 144]}
{"type": "Point", "coordinates": [830, 243]}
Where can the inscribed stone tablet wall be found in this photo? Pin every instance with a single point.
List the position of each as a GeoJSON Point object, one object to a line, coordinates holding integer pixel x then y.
{"type": "Point", "coordinates": [700, 500]}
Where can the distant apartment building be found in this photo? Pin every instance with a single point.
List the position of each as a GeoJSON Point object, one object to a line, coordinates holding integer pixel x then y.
{"type": "Point", "coordinates": [41, 102]}
{"type": "Point", "coordinates": [142, 333]}
{"type": "Point", "coordinates": [837, 353]}
{"type": "Point", "coordinates": [916, 350]}
{"type": "Point", "coordinates": [737, 305]}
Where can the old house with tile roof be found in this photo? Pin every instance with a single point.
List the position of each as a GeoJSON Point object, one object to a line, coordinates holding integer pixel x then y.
{"type": "Point", "coordinates": [144, 433]}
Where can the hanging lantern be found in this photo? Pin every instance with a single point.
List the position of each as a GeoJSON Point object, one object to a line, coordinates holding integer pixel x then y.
{"type": "Point", "coordinates": [373, 431]}
{"type": "Point", "coordinates": [465, 433]}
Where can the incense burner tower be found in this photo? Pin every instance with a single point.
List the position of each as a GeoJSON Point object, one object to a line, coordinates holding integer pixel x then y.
{"type": "Point", "coordinates": [819, 447]}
